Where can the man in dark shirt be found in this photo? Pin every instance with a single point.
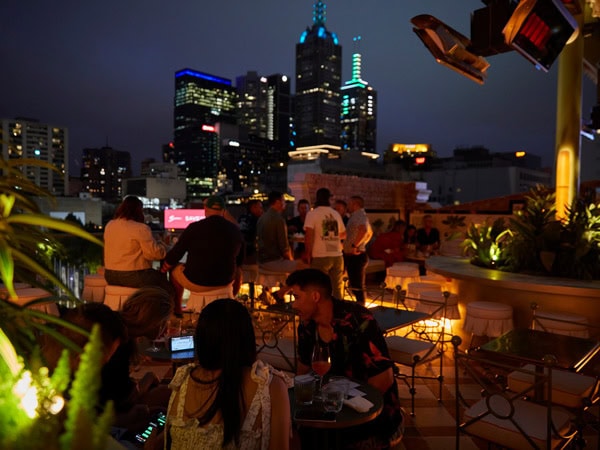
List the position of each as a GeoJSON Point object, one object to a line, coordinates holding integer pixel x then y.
{"type": "Point", "coordinates": [357, 348]}
{"type": "Point", "coordinates": [214, 253]}
{"type": "Point", "coordinates": [248, 223]}
{"type": "Point", "coordinates": [428, 237]}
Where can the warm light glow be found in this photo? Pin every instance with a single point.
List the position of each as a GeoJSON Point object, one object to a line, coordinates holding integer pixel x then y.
{"type": "Point", "coordinates": [27, 393]}
{"type": "Point", "coordinates": [208, 128]}
{"type": "Point", "coordinates": [420, 160]}
{"type": "Point", "coordinates": [410, 148]}
{"type": "Point", "coordinates": [520, 154]}
{"type": "Point", "coordinates": [564, 183]}
{"type": "Point", "coordinates": [57, 405]}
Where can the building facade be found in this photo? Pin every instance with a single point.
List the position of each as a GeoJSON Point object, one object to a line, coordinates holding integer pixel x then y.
{"type": "Point", "coordinates": [29, 138]}
{"type": "Point", "coordinates": [317, 102]}
{"type": "Point", "coordinates": [103, 171]}
{"type": "Point", "coordinates": [359, 112]}
{"type": "Point", "coordinates": [201, 102]}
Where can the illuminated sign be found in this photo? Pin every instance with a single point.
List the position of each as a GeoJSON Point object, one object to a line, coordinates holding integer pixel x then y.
{"type": "Point", "coordinates": [208, 128]}
{"type": "Point", "coordinates": [420, 160]}
{"type": "Point", "coordinates": [410, 148]}
{"type": "Point", "coordinates": [181, 218]}
{"type": "Point", "coordinates": [520, 154]}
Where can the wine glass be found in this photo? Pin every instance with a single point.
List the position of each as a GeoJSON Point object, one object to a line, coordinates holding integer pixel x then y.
{"type": "Point", "coordinates": [321, 361]}
{"type": "Point", "coordinates": [154, 348]}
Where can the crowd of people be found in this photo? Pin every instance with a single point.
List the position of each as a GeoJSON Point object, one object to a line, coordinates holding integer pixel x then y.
{"type": "Point", "coordinates": [227, 398]}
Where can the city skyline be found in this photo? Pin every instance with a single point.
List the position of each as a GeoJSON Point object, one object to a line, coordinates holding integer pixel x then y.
{"type": "Point", "coordinates": [105, 71]}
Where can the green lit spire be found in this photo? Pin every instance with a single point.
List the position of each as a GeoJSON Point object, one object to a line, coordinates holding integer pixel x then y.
{"type": "Point", "coordinates": [319, 14]}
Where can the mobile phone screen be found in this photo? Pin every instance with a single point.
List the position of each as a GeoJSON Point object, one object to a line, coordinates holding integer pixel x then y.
{"type": "Point", "coordinates": [156, 423]}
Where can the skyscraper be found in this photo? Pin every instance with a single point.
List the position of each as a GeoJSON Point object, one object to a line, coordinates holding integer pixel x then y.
{"type": "Point", "coordinates": [359, 111]}
{"type": "Point", "coordinates": [104, 170]}
{"type": "Point", "coordinates": [202, 101]}
{"type": "Point", "coordinates": [318, 81]}
{"type": "Point", "coordinates": [28, 138]}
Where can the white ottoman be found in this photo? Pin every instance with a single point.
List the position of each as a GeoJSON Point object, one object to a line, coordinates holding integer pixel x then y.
{"type": "Point", "coordinates": [431, 301]}
{"type": "Point", "coordinates": [115, 296]}
{"type": "Point", "coordinates": [491, 319]}
{"type": "Point", "coordinates": [29, 294]}
{"type": "Point", "coordinates": [401, 273]}
{"type": "Point", "coordinates": [198, 300]}
{"type": "Point", "coordinates": [413, 291]}
{"type": "Point", "coordinates": [562, 323]}
{"type": "Point", "coordinates": [93, 288]}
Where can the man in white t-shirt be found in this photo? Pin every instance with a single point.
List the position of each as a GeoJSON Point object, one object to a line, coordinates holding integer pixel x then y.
{"type": "Point", "coordinates": [324, 232]}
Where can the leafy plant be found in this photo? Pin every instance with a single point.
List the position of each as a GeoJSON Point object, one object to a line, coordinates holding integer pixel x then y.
{"type": "Point", "coordinates": [484, 243]}
{"type": "Point", "coordinates": [31, 398]}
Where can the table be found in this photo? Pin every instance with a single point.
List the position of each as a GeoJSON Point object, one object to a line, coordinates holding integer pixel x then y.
{"type": "Point", "coordinates": [530, 346]}
{"type": "Point", "coordinates": [391, 319]}
{"type": "Point", "coordinates": [164, 354]}
{"type": "Point", "coordinates": [346, 418]}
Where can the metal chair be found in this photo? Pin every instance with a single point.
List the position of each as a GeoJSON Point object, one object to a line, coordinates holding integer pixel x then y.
{"type": "Point", "coordinates": [510, 419]}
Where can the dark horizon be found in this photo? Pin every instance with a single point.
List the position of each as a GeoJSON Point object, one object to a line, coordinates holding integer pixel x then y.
{"type": "Point", "coordinates": [106, 71]}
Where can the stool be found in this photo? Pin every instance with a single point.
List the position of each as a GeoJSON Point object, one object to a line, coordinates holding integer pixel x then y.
{"type": "Point", "coordinates": [401, 273]}
{"type": "Point", "coordinates": [438, 279]}
{"type": "Point", "coordinates": [268, 278]}
{"type": "Point", "coordinates": [430, 302]}
{"type": "Point", "coordinates": [115, 296]}
{"type": "Point", "coordinates": [491, 319]}
{"type": "Point", "coordinates": [198, 300]}
{"type": "Point", "coordinates": [93, 288]}
{"type": "Point", "coordinates": [29, 294]}
{"type": "Point", "coordinates": [562, 323]}
{"type": "Point", "coordinates": [250, 276]}
{"type": "Point", "coordinates": [414, 290]}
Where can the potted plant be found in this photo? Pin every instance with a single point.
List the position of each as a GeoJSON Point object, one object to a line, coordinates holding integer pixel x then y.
{"type": "Point", "coordinates": [34, 413]}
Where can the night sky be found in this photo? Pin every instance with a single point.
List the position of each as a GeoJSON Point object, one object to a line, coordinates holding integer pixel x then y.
{"type": "Point", "coordinates": [105, 70]}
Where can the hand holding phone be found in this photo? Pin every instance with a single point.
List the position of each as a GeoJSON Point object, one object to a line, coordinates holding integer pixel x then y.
{"type": "Point", "coordinates": [156, 424]}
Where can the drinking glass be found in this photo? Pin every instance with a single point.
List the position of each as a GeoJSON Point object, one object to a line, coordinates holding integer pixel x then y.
{"type": "Point", "coordinates": [154, 348]}
{"type": "Point", "coordinates": [321, 361]}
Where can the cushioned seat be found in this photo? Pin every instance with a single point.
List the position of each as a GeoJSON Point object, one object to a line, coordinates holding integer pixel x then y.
{"type": "Point", "coordinates": [413, 290]}
{"type": "Point", "coordinates": [270, 278]}
{"type": "Point", "coordinates": [562, 323]}
{"type": "Point", "coordinates": [115, 296]}
{"type": "Point", "coordinates": [569, 389]}
{"type": "Point", "coordinates": [401, 273]}
{"type": "Point", "coordinates": [198, 300]}
{"type": "Point", "coordinates": [27, 295]}
{"type": "Point", "coordinates": [491, 319]}
{"type": "Point", "coordinates": [93, 288]}
{"type": "Point", "coordinates": [430, 302]}
{"type": "Point", "coordinates": [404, 350]}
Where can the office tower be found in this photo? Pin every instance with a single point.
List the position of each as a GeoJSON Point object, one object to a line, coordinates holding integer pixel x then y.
{"type": "Point", "coordinates": [359, 111]}
{"type": "Point", "coordinates": [103, 171]}
{"type": "Point", "coordinates": [202, 102]}
{"type": "Point", "coordinates": [28, 138]}
{"type": "Point", "coordinates": [252, 103]}
{"type": "Point", "coordinates": [318, 81]}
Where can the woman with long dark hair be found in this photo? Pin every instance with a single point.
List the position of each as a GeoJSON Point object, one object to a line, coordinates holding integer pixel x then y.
{"type": "Point", "coordinates": [228, 399]}
{"type": "Point", "coordinates": [130, 249]}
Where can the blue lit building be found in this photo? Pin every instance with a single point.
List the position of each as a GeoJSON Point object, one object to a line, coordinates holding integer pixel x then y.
{"type": "Point", "coordinates": [203, 102]}
{"type": "Point", "coordinates": [318, 82]}
{"type": "Point", "coordinates": [359, 111]}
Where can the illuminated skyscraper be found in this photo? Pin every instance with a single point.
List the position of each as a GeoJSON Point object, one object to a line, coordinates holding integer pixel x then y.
{"type": "Point", "coordinates": [318, 81]}
{"type": "Point", "coordinates": [28, 138]}
{"type": "Point", "coordinates": [103, 171]}
{"type": "Point", "coordinates": [202, 102]}
{"type": "Point", "coordinates": [359, 111]}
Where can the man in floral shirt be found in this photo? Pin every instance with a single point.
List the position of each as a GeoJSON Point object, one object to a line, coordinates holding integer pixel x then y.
{"type": "Point", "coordinates": [357, 347]}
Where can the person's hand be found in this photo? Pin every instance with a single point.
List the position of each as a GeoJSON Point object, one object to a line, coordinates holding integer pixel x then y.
{"type": "Point", "coordinates": [155, 441]}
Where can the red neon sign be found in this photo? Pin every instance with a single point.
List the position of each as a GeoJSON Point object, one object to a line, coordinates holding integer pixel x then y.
{"type": "Point", "coordinates": [181, 218]}
{"type": "Point", "coordinates": [420, 160]}
{"type": "Point", "coordinates": [208, 128]}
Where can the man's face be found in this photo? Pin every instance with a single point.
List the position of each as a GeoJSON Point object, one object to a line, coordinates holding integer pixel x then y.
{"type": "Point", "coordinates": [352, 206]}
{"type": "Point", "coordinates": [279, 205]}
{"type": "Point", "coordinates": [256, 209]}
{"type": "Point", "coordinates": [305, 302]}
{"type": "Point", "coordinates": [340, 208]}
{"type": "Point", "coordinates": [302, 209]}
{"type": "Point", "coordinates": [428, 222]}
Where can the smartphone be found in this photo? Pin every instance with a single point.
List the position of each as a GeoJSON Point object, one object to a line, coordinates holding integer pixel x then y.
{"type": "Point", "coordinates": [155, 425]}
{"type": "Point", "coordinates": [181, 343]}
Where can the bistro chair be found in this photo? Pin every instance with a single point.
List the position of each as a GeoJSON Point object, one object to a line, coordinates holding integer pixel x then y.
{"type": "Point", "coordinates": [568, 324]}
{"type": "Point", "coordinates": [510, 419]}
{"type": "Point", "coordinates": [416, 348]}
{"type": "Point", "coordinates": [275, 330]}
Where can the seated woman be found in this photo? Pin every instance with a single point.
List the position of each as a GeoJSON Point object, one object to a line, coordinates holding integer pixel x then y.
{"type": "Point", "coordinates": [228, 399]}
{"type": "Point", "coordinates": [389, 246]}
{"type": "Point", "coordinates": [130, 249]}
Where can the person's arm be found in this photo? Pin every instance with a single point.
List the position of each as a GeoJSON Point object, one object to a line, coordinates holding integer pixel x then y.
{"type": "Point", "coordinates": [383, 380]}
{"type": "Point", "coordinates": [309, 239]}
{"type": "Point", "coordinates": [280, 415]}
{"type": "Point", "coordinates": [152, 249]}
{"type": "Point", "coordinates": [301, 368]}
{"type": "Point", "coordinates": [359, 239]}
{"type": "Point", "coordinates": [282, 241]}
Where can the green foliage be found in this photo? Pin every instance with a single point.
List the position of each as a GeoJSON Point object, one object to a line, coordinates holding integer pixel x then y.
{"type": "Point", "coordinates": [484, 243]}
{"type": "Point", "coordinates": [454, 222]}
{"type": "Point", "coordinates": [538, 243]}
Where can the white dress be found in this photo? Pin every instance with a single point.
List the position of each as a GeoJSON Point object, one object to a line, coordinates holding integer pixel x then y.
{"type": "Point", "coordinates": [186, 434]}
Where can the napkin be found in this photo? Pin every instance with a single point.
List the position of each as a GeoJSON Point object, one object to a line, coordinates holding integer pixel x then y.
{"type": "Point", "coordinates": [359, 404]}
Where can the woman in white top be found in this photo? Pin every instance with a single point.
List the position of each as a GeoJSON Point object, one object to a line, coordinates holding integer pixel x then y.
{"type": "Point", "coordinates": [130, 249]}
{"type": "Point", "coordinates": [228, 399]}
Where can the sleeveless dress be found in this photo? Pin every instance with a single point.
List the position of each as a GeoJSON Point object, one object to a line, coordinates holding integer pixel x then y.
{"type": "Point", "coordinates": [186, 434]}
